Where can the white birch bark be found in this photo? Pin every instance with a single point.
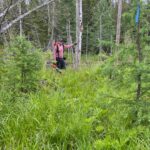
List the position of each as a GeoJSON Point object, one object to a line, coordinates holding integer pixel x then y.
{"type": "Point", "coordinates": [79, 29]}
{"type": "Point", "coordinates": [11, 7]}
{"type": "Point", "coordinates": [9, 25]}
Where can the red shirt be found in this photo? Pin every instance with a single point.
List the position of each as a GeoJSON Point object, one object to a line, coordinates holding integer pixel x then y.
{"type": "Point", "coordinates": [60, 52]}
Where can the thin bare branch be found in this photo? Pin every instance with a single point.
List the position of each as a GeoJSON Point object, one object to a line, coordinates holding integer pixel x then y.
{"type": "Point", "coordinates": [3, 29]}
{"type": "Point", "coordinates": [9, 8]}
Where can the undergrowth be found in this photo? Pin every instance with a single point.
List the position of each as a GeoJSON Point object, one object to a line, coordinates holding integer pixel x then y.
{"type": "Point", "coordinates": [93, 108]}
{"type": "Point", "coordinates": [76, 110]}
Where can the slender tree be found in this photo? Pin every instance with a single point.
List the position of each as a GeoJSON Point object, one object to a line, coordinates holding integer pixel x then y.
{"type": "Point", "coordinates": [118, 30]}
{"type": "Point", "coordinates": [20, 12]}
{"type": "Point", "coordinates": [138, 42]}
{"type": "Point", "coordinates": [79, 29]}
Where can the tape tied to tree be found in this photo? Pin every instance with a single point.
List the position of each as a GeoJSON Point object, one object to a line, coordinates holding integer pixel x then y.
{"type": "Point", "coordinates": [137, 17]}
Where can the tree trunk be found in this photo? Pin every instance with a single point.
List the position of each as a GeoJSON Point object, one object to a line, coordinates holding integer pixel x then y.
{"type": "Point", "coordinates": [87, 41]}
{"type": "Point", "coordinates": [111, 39]}
{"type": "Point", "coordinates": [139, 81]}
{"type": "Point", "coordinates": [100, 33]}
{"type": "Point", "coordinates": [20, 11]}
{"type": "Point", "coordinates": [68, 42]}
{"type": "Point", "coordinates": [72, 48]}
{"type": "Point", "coordinates": [49, 18]}
{"type": "Point", "coordinates": [49, 27]}
{"type": "Point", "coordinates": [79, 29]}
{"type": "Point", "coordinates": [118, 22]}
{"type": "Point", "coordinates": [53, 22]}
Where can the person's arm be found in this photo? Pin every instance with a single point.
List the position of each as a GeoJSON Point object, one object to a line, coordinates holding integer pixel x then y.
{"type": "Point", "coordinates": [69, 45]}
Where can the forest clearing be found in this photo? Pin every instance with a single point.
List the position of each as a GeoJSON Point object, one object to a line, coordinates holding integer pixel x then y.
{"type": "Point", "coordinates": [74, 75]}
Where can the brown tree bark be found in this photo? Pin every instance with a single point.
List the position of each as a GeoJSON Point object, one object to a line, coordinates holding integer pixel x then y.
{"type": "Point", "coordinates": [118, 30]}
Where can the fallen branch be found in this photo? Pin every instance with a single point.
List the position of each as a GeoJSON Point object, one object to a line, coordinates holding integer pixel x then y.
{"type": "Point", "coordinates": [22, 16]}
{"type": "Point", "coordinates": [9, 8]}
{"type": "Point", "coordinates": [5, 13]}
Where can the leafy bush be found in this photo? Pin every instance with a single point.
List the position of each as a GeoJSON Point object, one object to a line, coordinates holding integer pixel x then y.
{"type": "Point", "coordinates": [22, 63]}
{"type": "Point", "coordinates": [76, 110]}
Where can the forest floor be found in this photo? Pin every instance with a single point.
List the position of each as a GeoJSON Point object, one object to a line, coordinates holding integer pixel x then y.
{"type": "Point", "coordinates": [82, 110]}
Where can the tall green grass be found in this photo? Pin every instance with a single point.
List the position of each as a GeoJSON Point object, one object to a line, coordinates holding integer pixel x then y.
{"type": "Point", "coordinates": [81, 110]}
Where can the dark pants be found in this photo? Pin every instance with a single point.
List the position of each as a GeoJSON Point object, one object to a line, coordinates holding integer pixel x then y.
{"type": "Point", "coordinates": [61, 63]}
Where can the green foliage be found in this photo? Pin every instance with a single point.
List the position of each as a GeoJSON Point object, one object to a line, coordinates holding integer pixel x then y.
{"type": "Point", "coordinates": [76, 110]}
{"type": "Point", "coordinates": [22, 64]}
{"type": "Point", "coordinates": [2, 68]}
{"type": "Point", "coordinates": [106, 43]}
{"type": "Point", "coordinates": [93, 108]}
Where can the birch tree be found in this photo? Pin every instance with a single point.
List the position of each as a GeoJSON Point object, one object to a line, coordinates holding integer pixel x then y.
{"type": "Point", "coordinates": [79, 29]}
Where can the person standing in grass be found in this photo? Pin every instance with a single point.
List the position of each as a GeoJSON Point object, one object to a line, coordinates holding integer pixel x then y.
{"type": "Point", "coordinates": [58, 53]}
